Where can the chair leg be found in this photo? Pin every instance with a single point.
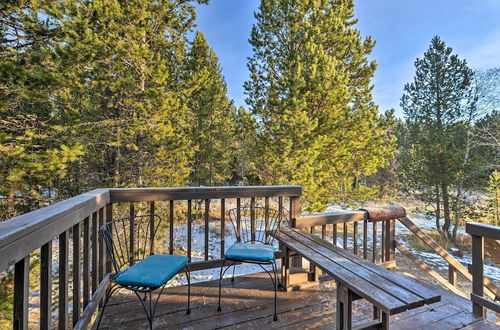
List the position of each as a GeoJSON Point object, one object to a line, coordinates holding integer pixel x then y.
{"type": "Point", "coordinates": [188, 276]}
{"type": "Point", "coordinates": [151, 311]}
{"type": "Point", "coordinates": [220, 283]}
{"type": "Point", "coordinates": [275, 318]}
{"type": "Point", "coordinates": [106, 300]}
{"type": "Point", "coordinates": [234, 267]}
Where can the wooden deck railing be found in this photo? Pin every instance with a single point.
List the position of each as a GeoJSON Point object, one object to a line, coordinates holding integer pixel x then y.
{"type": "Point", "coordinates": [73, 225]}
{"type": "Point", "coordinates": [83, 266]}
{"type": "Point", "coordinates": [479, 232]}
{"type": "Point", "coordinates": [454, 267]}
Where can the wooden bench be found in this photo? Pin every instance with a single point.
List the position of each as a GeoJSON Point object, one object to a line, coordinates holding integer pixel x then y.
{"type": "Point", "coordinates": [356, 278]}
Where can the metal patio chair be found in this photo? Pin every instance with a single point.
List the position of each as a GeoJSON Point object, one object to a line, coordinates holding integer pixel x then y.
{"type": "Point", "coordinates": [130, 243]}
{"type": "Point", "coordinates": [254, 228]}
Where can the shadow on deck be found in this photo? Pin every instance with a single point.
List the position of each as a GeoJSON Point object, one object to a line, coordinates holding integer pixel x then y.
{"type": "Point", "coordinates": [248, 304]}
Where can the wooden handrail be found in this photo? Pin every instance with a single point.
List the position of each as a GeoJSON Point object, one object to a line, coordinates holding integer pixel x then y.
{"type": "Point", "coordinates": [483, 230]}
{"type": "Point", "coordinates": [23, 234]}
{"type": "Point", "coordinates": [187, 193]}
{"type": "Point", "coordinates": [457, 266]}
{"type": "Point", "coordinates": [478, 232]}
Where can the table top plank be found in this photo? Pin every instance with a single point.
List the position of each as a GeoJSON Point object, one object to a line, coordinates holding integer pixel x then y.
{"type": "Point", "coordinates": [401, 293]}
{"type": "Point", "coordinates": [363, 288]}
{"type": "Point", "coordinates": [429, 296]}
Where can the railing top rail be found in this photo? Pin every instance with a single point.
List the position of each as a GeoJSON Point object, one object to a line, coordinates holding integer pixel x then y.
{"type": "Point", "coordinates": [483, 230]}
{"type": "Point", "coordinates": [330, 218]}
{"type": "Point", "coordinates": [23, 234]}
{"type": "Point", "coordinates": [184, 193]}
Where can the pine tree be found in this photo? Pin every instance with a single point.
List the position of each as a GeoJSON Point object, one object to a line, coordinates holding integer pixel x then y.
{"type": "Point", "coordinates": [34, 150]}
{"type": "Point", "coordinates": [213, 116]}
{"type": "Point", "coordinates": [310, 90]}
{"type": "Point", "coordinates": [493, 198]}
{"type": "Point", "coordinates": [439, 108]}
{"type": "Point", "coordinates": [123, 65]}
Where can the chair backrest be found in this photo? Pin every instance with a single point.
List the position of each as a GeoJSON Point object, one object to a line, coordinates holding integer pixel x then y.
{"type": "Point", "coordinates": [255, 224]}
{"type": "Point", "coordinates": [130, 239]}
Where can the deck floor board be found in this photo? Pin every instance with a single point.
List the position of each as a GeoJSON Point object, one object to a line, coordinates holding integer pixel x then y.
{"type": "Point", "coordinates": [248, 304]}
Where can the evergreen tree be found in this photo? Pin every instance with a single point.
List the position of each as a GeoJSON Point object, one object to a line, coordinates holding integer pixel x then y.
{"type": "Point", "coordinates": [123, 64]}
{"type": "Point", "coordinates": [213, 116]}
{"type": "Point", "coordinates": [439, 108]}
{"type": "Point", "coordinates": [310, 91]}
{"type": "Point", "coordinates": [493, 198]}
{"type": "Point", "coordinates": [34, 149]}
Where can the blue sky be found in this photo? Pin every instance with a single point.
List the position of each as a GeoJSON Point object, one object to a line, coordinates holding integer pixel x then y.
{"type": "Point", "coordinates": [402, 30]}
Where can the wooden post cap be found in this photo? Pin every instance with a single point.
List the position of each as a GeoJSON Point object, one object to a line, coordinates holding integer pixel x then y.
{"type": "Point", "coordinates": [385, 213]}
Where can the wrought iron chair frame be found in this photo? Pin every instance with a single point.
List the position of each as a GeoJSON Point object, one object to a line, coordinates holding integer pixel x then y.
{"type": "Point", "coordinates": [107, 235]}
{"type": "Point", "coordinates": [272, 216]}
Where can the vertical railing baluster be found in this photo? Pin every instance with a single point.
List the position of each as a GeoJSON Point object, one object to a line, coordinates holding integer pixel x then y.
{"type": "Point", "coordinates": [393, 240]}
{"type": "Point", "coordinates": [86, 262]}
{"type": "Point", "coordinates": [452, 275]}
{"type": "Point", "coordinates": [131, 252]}
{"type": "Point", "coordinates": [222, 226]}
{"type": "Point", "coordinates": [189, 219]}
{"type": "Point", "coordinates": [21, 293]}
{"type": "Point", "coordinates": [63, 280]}
{"type": "Point", "coordinates": [171, 229]}
{"type": "Point", "coordinates": [46, 286]}
{"type": "Point", "coordinates": [109, 218]}
{"type": "Point", "coordinates": [323, 231]}
{"type": "Point", "coordinates": [374, 242]}
{"type": "Point", "coordinates": [238, 217]}
{"type": "Point", "coordinates": [95, 253]}
{"type": "Point", "coordinates": [383, 242]}
{"type": "Point", "coordinates": [355, 237]}
{"type": "Point", "coordinates": [252, 218]}
{"type": "Point", "coordinates": [334, 234]}
{"type": "Point", "coordinates": [280, 210]}
{"type": "Point", "coordinates": [365, 239]}
{"type": "Point", "coordinates": [207, 224]}
{"type": "Point", "coordinates": [344, 234]}
{"type": "Point", "coordinates": [76, 273]}
{"type": "Point", "coordinates": [102, 257]}
{"type": "Point", "coordinates": [388, 240]}
{"type": "Point", "coordinates": [266, 219]}
{"type": "Point", "coordinates": [294, 214]}
{"type": "Point", "coordinates": [152, 227]}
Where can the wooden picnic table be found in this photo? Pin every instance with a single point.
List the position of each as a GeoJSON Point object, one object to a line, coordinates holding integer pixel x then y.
{"type": "Point", "coordinates": [357, 278]}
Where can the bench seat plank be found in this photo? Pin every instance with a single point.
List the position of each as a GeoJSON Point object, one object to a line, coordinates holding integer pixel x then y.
{"type": "Point", "coordinates": [429, 296]}
{"type": "Point", "coordinates": [357, 284]}
{"type": "Point", "coordinates": [339, 257]}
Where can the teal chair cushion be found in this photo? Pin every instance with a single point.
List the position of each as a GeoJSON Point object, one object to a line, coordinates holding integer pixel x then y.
{"type": "Point", "coordinates": [154, 271]}
{"type": "Point", "coordinates": [250, 252]}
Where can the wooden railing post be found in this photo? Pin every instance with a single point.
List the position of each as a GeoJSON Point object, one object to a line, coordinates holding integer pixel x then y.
{"type": "Point", "coordinates": [477, 273]}
{"type": "Point", "coordinates": [21, 290]}
{"type": "Point", "coordinates": [479, 232]}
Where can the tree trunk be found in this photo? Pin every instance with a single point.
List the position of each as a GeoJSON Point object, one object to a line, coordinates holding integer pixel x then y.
{"type": "Point", "coordinates": [438, 211]}
{"type": "Point", "coordinates": [458, 212]}
{"type": "Point", "coordinates": [446, 211]}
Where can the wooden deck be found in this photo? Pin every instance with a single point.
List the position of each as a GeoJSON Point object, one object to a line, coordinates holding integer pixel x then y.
{"type": "Point", "coordinates": [248, 304]}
